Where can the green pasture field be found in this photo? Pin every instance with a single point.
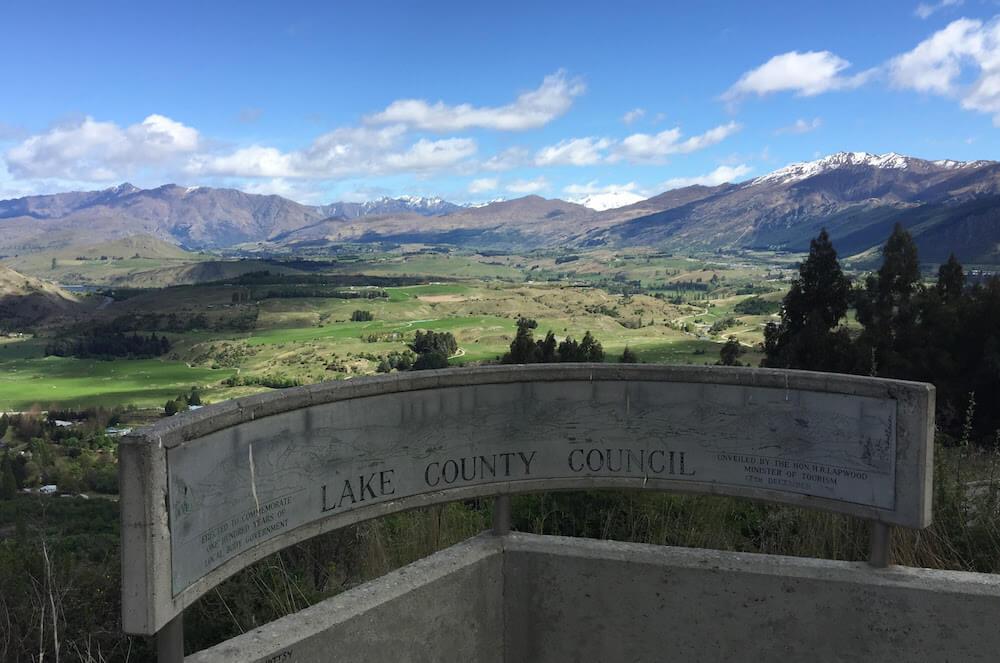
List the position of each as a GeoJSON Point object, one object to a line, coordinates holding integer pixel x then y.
{"type": "Point", "coordinates": [27, 379]}
{"type": "Point", "coordinates": [307, 340]}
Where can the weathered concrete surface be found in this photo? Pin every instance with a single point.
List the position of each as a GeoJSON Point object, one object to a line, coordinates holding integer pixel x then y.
{"type": "Point", "coordinates": [569, 600]}
{"type": "Point", "coordinates": [446, 607]}
{"type": "Point", "coordinates": [545, 599]}
{"type": "Point", "coordinates": [205, 494]}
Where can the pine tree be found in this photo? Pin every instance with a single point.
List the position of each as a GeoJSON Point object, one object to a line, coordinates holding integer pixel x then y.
{"type": "Point", "coordinates": [523, 349]}
{"type": "Point", "coordinates": [814, 306]}
{"type": "Point", "coordinates": [887, 310]}
{"type": "Point", "coordinates": [547, 349]}
{"type": "Point", "coordinates": [590, 349]}
{"type": "Point", "coordinates": [628, 356]}
{"type": "Point", "coordinates": [951, 279]}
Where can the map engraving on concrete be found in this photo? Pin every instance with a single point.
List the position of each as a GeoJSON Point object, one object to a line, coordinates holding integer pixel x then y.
{"type": "Point", "coordinates": [235, 488]}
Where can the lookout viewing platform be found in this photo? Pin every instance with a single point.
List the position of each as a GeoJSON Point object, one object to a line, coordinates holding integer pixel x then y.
{"type": "Point", "coordinates": [207, 493]}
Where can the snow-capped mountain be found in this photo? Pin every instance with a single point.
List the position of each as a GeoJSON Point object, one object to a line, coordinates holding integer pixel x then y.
{"type": "Point", "coordinates": [484, 203]}
{"type": "Point", "coordinates": [608, 200]}
{"type": "Point", "coordinates": [890, 161]}
{"type": "Point", "coordinates": [949, 205]}
{"type": "Point", "coordinates": [385, 205]}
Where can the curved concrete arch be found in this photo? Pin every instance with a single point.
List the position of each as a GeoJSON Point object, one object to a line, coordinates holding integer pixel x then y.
{"type": "Point", "coordinates": [207, 493]}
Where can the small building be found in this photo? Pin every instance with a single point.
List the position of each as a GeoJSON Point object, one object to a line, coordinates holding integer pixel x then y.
{"type": "Point", "coordinates": [49, 489]}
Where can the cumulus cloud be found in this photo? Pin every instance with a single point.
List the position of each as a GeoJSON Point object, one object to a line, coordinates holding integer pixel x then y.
{"type": "Point", "coordinates": [528, 186]}
{"type": "Point", "coordinates": [924, 10]}
{"type": "Point", "coordinates": [633, 115]}
{"type": "Point", "coordinates": [806, 74]}
{"type": "Point", "coordinates": [800, 126]}
{"type": "Point", "coordinates": [937, 65]}
{"type": "Point", "coordinates": [483, 184]}
{"type": "Point", "coordinates": [343, 152]}
{"type": "Point", "coordinates": [530, 110]}
{"type": "Point", "coordinates": [90, 150]}
{"type": "Point", "coordinates": [573, 152]}
{"type": "Point", "coordinates": [720, 175]}
{"type": "Point", "coordinates": [654, 147]}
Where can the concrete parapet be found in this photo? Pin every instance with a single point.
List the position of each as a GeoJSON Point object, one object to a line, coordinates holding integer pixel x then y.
{"type": "Point", "coordinates": [559, 600]}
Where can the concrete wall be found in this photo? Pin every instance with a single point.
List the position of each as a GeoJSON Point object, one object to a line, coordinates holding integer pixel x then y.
{"type": "Point", "coordinates": [571, 600]}
{"type": "Point", "coordinates": [447, 607]}
{"type": "Point", "coordinates": [559, 600]}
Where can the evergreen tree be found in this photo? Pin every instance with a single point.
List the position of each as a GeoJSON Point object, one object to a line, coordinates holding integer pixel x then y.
{"type": "Point", "coordinates": [811, 311]}
{"type": "Point", "coordinates": [951, 279]}
{"type": "Point", "coordinates": [887, 310]}
{"type": "Point", "coordinates": [523, 349]}
{"type": "Point", "coordinates": [568, 350]}
{"type": "Point", "coordinates": [431, 360]}
{"type": "Point", "coordinates": [170, 408]}
{"type": "Point", "coordinates": [730, 353]}
{"type": "Point", "coordinates": [590, 349]}
{"type": "Point", "coordinates": [547, 349]}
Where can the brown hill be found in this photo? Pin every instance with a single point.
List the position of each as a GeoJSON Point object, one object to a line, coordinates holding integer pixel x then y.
{"type": "Point", "coordinates": [26, 301]}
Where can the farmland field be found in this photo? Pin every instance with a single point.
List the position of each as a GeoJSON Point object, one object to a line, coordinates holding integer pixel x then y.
{"type": "Point", "coordinates": [662, 308]}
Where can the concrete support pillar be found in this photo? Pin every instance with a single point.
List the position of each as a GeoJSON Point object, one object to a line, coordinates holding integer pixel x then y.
{"type": "Point", "coordinates": [501, 515]}
{"type": "Point", "coordinates": [881, 545]}
{"type": "Point", "coordinates": [170, 641]}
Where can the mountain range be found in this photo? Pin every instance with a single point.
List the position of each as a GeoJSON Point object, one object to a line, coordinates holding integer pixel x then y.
{"type": "Point", "coordinates": [947, 206]}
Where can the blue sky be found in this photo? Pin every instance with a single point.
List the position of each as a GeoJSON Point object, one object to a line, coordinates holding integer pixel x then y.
{"type": "Point", "coordinates": [472, 101]}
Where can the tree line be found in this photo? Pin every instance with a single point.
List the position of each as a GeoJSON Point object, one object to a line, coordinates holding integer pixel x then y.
{"type": "Point", "coordinates": [102, 344]}
{"type": "Point", "coordinates": [524, 349]}
{"type": "Point", "coordinates": [944, 332]}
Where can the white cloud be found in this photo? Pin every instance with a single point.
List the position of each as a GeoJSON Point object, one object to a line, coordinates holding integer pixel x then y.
{"type": "Point", "coordinates": [937, 65]}
{"type": "Point", "coordinates": [925, 10]}
{"type": "Point", "coordinates": [253, 161]}
{"type": "Point", "coordinates": [483, 184]}
{"type": "Point", "coordinates": [431, 155]}
{"type": "Point", "coordinates": [806, 74]}
{"type": "Point", "coordinates": [720, 175]}
{"type": "Point", "coordinates": [592, 187]}
{"type": "Point", "coordinates": [800, 126]}
{"type": "Point", "coordinates": [654, 147]}
{"type": "Point", "coordinates": [633, 115]}
{"type": "Point", "coordinates": [512, 157]}
{"type": "Point", "coordinates": [573, 152]}
{"type": "Point", "coordinates": [347, 151]}
{"type": "Point", "coordinates": [90, 150]}
{"type": "Point", "coordinates": [528, 186]}
{"type": "Point", "coordinates": [529, 111]}
{"type": "Point", "coordinates": [292, 189]}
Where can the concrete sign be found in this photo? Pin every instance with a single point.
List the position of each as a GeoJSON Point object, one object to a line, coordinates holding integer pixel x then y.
{"type": "Point", "coordinates": [238, 481]}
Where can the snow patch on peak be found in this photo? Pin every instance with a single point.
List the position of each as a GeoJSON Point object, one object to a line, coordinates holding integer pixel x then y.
{"type": "Point", "coordinates": [123, 189]}
{"type": "Point", "coordinates": [485, 203]}
{"type": "Point", "coordinates": [608, 200]}
{"type": "Point", "coordinates": [806, 169]}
